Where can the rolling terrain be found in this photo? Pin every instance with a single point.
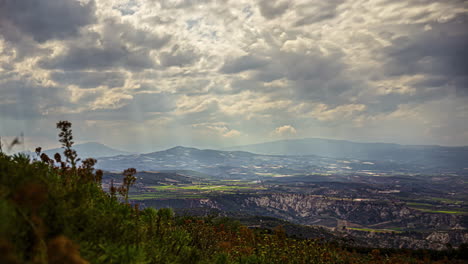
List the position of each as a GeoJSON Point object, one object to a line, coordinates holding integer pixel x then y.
{"type": "Point", "coordinates": [429, 156]}
{"type": "Point", "coordinates": [346, 207]}
{"type": "Point", "coordinates": [89, 149]}
{"type": "Point", "coordinates": [246, 165]}
{"type": "Point", "coordinates": [386, 202]}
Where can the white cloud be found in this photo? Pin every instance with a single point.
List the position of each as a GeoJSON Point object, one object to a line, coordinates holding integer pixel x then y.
{"type": "Point", "coordinates": [242, 68]}
{"type": "Point", "coordinates": [284, 131]}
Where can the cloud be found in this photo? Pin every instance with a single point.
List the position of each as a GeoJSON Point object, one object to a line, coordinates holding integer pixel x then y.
{"type": "Point", "coordinates": [149, 102]}
{"type": "Point", "coordinates": [272, 8]}
{"type": "Point", "coordinates": [438, 51]}
{"type": "Point", "coordinates": [81, 58]}
{"type": "Point", "coordinates": [178, 57]}
{"type": "Point", "coordinates": [316, 11]}
{"type": "Point", "coordinates": [243, 63]}
{"type": "Point", "coordinates": [115, 44]}
{"type": "Point", "coordinates": [27, 99]}
{"type": "Point", "coordinates": [286, 130]}
{"type": "Point", "coordinates": [46, 19]}
{"type": "Point", "coordinates": [232, 133]}
{"type": "Point", "coordinates": [216, 129]}
{"type": "Point", "coordinates": [90, 79]}
{"type": "Point", "coordinates": [341, 113]}
{"type": "Point", "coordinates": [345, 69]}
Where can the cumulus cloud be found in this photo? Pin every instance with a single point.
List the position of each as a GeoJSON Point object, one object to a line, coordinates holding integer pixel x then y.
{"type": "Point", "coordinates": [238, 70]}
{"type": "Point", "coordinates": [91, 79]}
{"type": "Point", "coordinates": [438, 53]}
{"type": "Point", "coordinates": [216, 130]}
{"type": "Point", "coordinates": [45, 19]}
{"type": "Point", "coordinates": [316, 11]}
{"type": "Point", "coordinates": [286, 130]}
{"type": "Point", "coordinates": [86, 58]}
{"type": "Point", "coordinates": [243, 63]}
{"type": "Point", "coordinates": [343, 112]}
{"type": "Point", "coordinates": [178, 57]}
{"type": "Point", "coordinates": [272, 8]}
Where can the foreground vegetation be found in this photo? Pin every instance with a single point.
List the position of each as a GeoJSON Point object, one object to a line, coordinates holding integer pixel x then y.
{"type": "Point", "coordinates": [55, 211]}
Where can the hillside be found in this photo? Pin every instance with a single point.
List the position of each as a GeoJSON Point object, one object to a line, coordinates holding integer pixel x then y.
{"type": "Point", "coordinates": [246, 165]}
{"type": "Point", "coordinates": [90, 149]}
{"type": "Point", "coordinates": [427, 155]}
{"type": "Point", "coordinates": [61, 215]}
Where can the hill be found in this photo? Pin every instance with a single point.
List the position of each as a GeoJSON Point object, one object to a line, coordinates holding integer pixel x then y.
{"type": "Point", "coordinates": [427, 155]}
{"type": "Point", "coordinates": [90, 150]}
{"type": "Point", "coordinates": [61, 214]}
{"type": "Point", "coordinates": [246, 165]}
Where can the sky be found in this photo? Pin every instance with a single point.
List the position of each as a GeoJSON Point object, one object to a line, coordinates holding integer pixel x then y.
{"type": "Point", "coordinates": [143, 75]}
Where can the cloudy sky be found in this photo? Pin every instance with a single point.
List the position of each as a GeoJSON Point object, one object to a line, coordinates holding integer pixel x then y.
{"type": "Point", "coordinates": [143, 75]}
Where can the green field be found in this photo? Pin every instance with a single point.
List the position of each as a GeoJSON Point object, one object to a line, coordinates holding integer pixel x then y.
{"type": "Point", "coordinates": [439, 211]}
{"type": "Point", "coordinates": [195, 191]}
{"type": "Point", "coordinates": [375, 230]}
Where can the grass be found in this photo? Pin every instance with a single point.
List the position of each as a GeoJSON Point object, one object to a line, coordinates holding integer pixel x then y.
{"type": "Point", "coordinates": [167, 195]}
{"type": "Point", "coordinates": [374, 230]}
{"type": "Point", "coordinates": [190, 191]}
{"type": "Point", "coordinates": [439, 211]}
{"type": "Point", "coordinates": [205, 187]}
{"type": "Point", "coordinates": [438, 208]}
{"type": "Point", "coordinates": [448, 201]}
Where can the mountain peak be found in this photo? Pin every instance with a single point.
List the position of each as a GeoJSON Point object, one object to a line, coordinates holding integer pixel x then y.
{"type": "Point", "coordinates": [91, 150]}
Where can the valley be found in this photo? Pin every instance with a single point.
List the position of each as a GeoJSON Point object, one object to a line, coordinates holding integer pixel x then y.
{"type": "Point", "coordinates": [371, 205]}
{"type": "Point", "coordinates": [379, 202]}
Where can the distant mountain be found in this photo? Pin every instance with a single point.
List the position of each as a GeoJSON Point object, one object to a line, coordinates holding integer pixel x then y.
{"type": "Point", "coordinates": [181, 158]}
{"type": "Point", "coordinates": [90, 150]}
{"type": "Point", "coordinates": [428, 155]}
{"type": "Point", "coordinates": [246, 165]}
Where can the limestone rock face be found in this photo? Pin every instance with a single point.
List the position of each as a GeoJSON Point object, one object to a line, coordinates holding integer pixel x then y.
{"type": "Point", "coordinates": [305, 209]}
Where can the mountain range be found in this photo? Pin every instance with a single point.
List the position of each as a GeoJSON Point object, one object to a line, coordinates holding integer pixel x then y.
{"type": "Point", "coordinates": [286, 153]}
{"type": "Point", "coordinates": [426, 155]}
{"type": "Point", "coordinates": [90, 150]}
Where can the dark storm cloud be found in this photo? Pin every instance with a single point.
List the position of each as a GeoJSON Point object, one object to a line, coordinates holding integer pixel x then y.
{"type": "Point", "coordinates": [388, 103]}
{"type": "Point", "coordinates": [45, 19]}
{"type": "Point", "coordinates": [90, 79]}
{"type": "Point", "coordinates": [439, 53]}
{"type": "Point", "coordinates": [25, 100]}
{"type": "Point", "coordinates": [19, 45]}
{"type": "Point", "coordinates": [241, 64]}
{"type": "Point", "coordinates": [314, 76]}
{"type": "Point", "coordinates": [297, 66]}
{"type": "Point", "coordinates": [178, 57]}
{"type": "Point", "coordinates": [119, 45]}
{"type": "Point", "coordinates": [429, 54]}
{"type": "Point", "coordinates": [115, 32]}
{"type": "Point", "coordinates": [272, 8]}
{"type": "Point", "coordinates": [83, 58]}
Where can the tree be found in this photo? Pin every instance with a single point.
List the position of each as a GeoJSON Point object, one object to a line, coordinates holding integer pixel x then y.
{"type": "Point", "coordinates": [128, 180]}
{"type": "Point", "coordinates": [66, 138]}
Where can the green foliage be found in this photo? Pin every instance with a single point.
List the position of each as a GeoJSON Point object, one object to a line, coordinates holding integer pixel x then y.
{"type": "Point", "coordinates": [128, 180]}
{"type": "Point", "coordinates": [66, 138]}
{"type": "Point", "coordinates": [60, 214]}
